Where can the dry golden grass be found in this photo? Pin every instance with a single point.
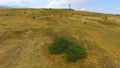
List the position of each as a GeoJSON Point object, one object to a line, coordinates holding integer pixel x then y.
{"type": "Point", "coordinates": [25, 35]}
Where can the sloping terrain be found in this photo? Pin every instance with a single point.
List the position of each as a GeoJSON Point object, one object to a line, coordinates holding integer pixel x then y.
{"type": "Point", "coordinates": [25, 35]}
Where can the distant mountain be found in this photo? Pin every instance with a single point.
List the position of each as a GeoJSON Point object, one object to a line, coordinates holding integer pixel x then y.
{"type": "Point", "coordinates": [8, 7]}
{"type": "Point", "coordinates": [4, 7]}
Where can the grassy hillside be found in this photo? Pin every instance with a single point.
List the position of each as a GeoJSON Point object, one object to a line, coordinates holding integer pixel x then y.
{"type": "Point", "coordinates": [25, 35]}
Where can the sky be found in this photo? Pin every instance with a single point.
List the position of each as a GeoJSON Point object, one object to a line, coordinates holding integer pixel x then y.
{"type": "Point", "coordinates": [103, 6]}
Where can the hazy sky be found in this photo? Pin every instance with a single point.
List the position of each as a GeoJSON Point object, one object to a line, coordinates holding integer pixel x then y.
{"type": "Point", "coordinates": [106, 6]}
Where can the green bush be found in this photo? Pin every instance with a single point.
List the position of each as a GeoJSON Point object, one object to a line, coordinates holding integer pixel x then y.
{"type": "Point", "coordinates": [59, 45]}
{"type": "Point", "coordinates": [75, 52]}
{"type": "Point", "coordinates": [72, 49]}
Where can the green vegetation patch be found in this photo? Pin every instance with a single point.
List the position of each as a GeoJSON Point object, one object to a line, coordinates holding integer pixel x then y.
{"type": "Point", "coordinates": [3, 24]}
{"type": "Point", "coordinates": [108, 23]}
{"type": "Point", "coordinates": [18, 32]}
{"type": "Point", "coordinates": [72, 49]}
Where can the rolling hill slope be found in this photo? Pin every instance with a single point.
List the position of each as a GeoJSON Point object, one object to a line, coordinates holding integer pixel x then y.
{"type": "Point", "coordinates": [25, 35]}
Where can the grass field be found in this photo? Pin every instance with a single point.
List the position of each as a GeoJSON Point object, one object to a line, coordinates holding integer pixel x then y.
{"type": "Point", "coordinates": [25, 35]}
